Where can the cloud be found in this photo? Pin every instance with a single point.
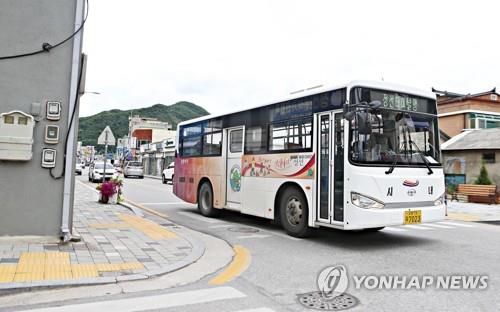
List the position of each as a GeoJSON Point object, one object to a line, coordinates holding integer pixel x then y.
{"type": "Point", "coordinates": [232, 54]}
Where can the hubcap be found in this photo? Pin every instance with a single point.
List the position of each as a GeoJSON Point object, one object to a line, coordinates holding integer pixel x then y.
{"type": "Point", "coordinates": [294, 211]}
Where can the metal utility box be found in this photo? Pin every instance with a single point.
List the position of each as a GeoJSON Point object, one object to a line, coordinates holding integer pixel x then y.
{"type": "Point", "coordinates": [16, 136]}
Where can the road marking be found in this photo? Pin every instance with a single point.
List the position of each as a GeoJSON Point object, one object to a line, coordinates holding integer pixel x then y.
{"type": "Point", "coordinates": [174, 203]}
{"type": "Point", "coordinates": [257, 310]}
{"type": "Point", "coordinates": [152, 302]}
{"type": "Point", "coordinates": [416, 227]}
{"type": "Point", "coordinates": [456, 224]}
{"type": "Point", "coordinates": [221, 226]}
{"type": "Point", "coordinates": [198, 217]}
{"type": "Point", "coordinates": [152, 211]}
{"type": "Point", "coordinates": [438, 226]}
{"type": "Point", "coordinates": [277, 233]}
{"type": "Point", "coordinates": [393, 229]}
{"type": "Point", "coordinates": [240, 263]}
{"type": "Point", "coordinates": [253, 236]}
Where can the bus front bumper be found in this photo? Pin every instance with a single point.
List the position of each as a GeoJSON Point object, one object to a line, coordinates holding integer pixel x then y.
{"type": "Point", "coordinates": [359, 218]}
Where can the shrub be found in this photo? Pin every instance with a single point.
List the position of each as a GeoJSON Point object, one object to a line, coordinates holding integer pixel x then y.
{"type": "Point", "coordinates": [483, 178]}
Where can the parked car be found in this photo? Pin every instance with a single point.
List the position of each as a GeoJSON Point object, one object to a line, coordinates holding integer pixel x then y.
{"type": "Point", "coordinates": [168, 174]}
{"type": "Point", "coordinates": [78, 168]}
{"type": "Point", "coordinates": [96, 171]}
{"type": "Point", "coordinates": [133, 168]}
{"type": "Point", "coordinates": [118, 167]}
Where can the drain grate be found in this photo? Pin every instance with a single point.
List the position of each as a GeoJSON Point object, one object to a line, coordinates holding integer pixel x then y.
{"type": "Point", "coordinates": [243, 229]}
{"type": "Point", "coordinates": [315, 300]}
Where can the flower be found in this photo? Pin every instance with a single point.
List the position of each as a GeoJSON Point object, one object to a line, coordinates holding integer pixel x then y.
{"type": "Point", "coordinates": [107, 189]}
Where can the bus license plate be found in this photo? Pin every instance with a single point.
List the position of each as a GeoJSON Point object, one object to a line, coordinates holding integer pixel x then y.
{"type": "Point", "coordinates": [413, 217]}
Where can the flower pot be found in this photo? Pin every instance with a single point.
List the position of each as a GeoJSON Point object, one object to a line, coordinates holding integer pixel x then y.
{"type": "Point", "coordinates": [103, 199]}
{"type": "Point", "coordinates": [113, 199]}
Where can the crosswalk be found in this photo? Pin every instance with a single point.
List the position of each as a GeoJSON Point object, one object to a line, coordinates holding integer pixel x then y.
{"type": "Point", "coordinates": [178, 301]}
{"type": "Point", "coordinates": [445, 225]}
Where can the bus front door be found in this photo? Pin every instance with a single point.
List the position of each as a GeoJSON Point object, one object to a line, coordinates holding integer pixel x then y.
{"type": "Point", "coordinates": [233, 169]}
{"type": "Point", "coordinates": [330, 178]}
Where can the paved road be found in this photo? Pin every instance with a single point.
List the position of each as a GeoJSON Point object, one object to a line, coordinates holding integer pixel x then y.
{"type": "Point", "coordinates": [282, 267]}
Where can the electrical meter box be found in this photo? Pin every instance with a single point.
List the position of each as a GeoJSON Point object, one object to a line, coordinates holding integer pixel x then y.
{"type": "Point", "coordinates": [16, 136]}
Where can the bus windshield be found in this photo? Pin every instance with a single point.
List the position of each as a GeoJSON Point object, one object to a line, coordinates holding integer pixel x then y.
{"type": "Point", "coordinates": [402, 132]}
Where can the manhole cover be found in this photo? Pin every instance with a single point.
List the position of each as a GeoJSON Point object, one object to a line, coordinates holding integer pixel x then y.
{"type": "Point", "coordinates": [243, 229]}
{"type": "Point", "coordinates": [315, 300]}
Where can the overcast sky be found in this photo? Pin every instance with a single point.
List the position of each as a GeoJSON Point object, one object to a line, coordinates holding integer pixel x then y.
{"type": "Point", "coordinates": [224, 55]}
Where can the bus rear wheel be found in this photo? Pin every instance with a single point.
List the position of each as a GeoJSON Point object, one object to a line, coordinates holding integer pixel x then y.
{"type": "Point", "coordinates": [206, 200]}
{"type": "Point", "coordinates": [294, 212]}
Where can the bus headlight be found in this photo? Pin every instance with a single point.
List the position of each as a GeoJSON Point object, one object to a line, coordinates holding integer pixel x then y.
{"type": "Point", "coordinates": [440, 200]}
{"type": "Point", "coordinates": [365, 202]}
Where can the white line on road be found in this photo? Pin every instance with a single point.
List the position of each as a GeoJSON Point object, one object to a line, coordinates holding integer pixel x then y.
{"type": "Point", "coordinates": [456, 224]}
{"type": "Point", "coordinates": [152, 302]}
{"type": "Point", "coordinates": [195, 216]}
{"type": "Point", "coordinates": [393, 229]}
{"type": "Point", "coordinates": [438, 226]}
{"type": "Point", "coordinates": [256, 310]}
{"type": "Point", "coordinates": [416, 227]}
{"type": "Point", "coordinates": [253, 236]}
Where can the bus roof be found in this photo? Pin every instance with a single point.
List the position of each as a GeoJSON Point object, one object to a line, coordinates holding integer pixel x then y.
{"type": "Point", "coordinates": [320, 89]}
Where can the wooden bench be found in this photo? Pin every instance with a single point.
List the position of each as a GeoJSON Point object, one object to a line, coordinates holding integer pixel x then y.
{"type": "Point", "coordinates": [477, 193]}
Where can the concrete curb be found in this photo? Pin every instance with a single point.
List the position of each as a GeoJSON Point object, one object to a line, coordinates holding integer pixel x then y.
{"type": "Point", "coordinates": [152, 177]}
{"type": "Point", "coordinates": [134, 209]}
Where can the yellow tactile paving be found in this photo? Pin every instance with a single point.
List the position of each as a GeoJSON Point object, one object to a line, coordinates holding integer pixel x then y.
{"type": "Point", "coordinates": [6, 278]}
{"type": "Point", "coordinates": [108, 267]}
{"type": "Point", "coordinates": [56, 266]}
{"type": "Point", "coordinates": [84, 270]}
{"type": "Point", "coordinates": [149, 228]}
{"type": "Point", "coordinates": [131, 266]}
{"type": "Point", "coordinates": [108, 225]}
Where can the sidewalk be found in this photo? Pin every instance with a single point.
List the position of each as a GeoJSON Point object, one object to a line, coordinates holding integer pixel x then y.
{"type": "Point", "coordinates": [473, 212]}
{"type": "Point", "coordinates": [116, 245]}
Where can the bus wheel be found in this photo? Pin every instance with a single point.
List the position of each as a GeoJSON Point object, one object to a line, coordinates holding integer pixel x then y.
{"type": "Point", "coordinates": [206, 200]}
{"type": "Point", "coordinates": [294, 212]}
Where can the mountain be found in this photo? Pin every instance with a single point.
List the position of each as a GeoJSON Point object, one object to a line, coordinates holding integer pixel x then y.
{"type": "Point", "coordinates": [90, 127]}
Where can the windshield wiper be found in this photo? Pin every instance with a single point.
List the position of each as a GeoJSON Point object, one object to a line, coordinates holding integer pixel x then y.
{"type": "Point", "coordinates": [426, 162]}
{"type": "Point", "coordinates": [394, 162]}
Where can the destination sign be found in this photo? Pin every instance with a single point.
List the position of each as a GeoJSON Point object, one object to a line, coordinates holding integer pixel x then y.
{"type": "Point", "coordinates": [401, 101]}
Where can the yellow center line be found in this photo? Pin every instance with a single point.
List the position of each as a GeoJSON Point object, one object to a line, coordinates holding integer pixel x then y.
{"type": "Point", "coordinates": [152, 211]}
{"type": "Point", "coordinates": [240, 263]}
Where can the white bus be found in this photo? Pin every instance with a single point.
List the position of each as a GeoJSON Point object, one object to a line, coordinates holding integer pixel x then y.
{"type": "Point", "coordinates": [364, 155]}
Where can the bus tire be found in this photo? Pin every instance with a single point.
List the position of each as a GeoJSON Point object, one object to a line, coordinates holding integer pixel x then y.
{"type": "Point", "coordinates": [294, 212]}
{"type": "Point", "coordinates": [206, 200]}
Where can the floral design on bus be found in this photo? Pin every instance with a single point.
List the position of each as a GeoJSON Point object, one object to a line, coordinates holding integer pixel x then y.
{"type": "Point", "coordinates": [299, 166]}
{"type": "Point", "coordinates": [235, 178]}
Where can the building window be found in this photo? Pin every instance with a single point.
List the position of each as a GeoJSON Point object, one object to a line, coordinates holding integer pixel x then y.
{"type": "Point", "coordinates": [8, 119]}
{"type": "Point", "coordinates": [22, 120]}
{"type": "Point", "coordinates": [290, 135]}
{"type": "Point", "coordinates": [489, 157]}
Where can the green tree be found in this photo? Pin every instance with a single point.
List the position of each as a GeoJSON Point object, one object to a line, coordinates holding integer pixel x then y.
{"type": "Point", "coordinates": [483, 178]}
